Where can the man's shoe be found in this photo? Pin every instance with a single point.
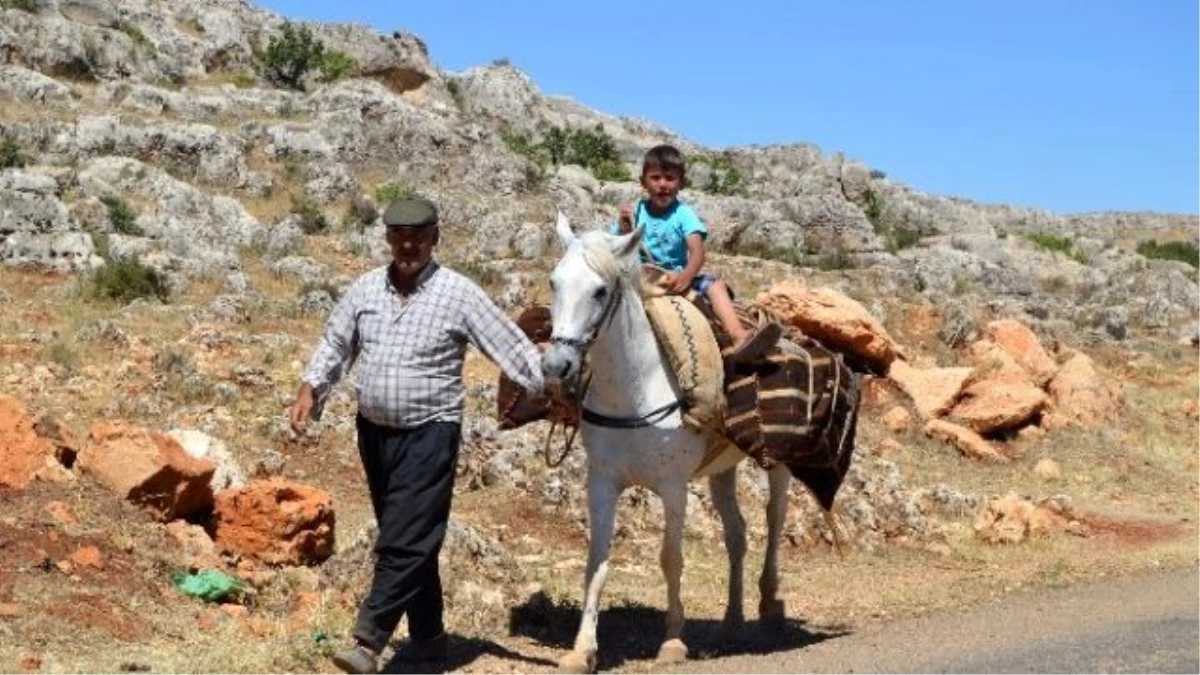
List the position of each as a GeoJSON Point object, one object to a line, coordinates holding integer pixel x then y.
{"type": "Point", "coordinates": [420, 651]}
{"type": "Point", "coordinates": [357, 659]}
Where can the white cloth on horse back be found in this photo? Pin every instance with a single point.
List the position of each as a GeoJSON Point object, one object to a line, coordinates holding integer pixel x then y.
{"type": "Point", "coordinates": [410, 350]}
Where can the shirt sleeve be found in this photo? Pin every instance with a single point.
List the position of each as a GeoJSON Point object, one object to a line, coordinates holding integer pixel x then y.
{"type": "Point", "coordinates": [690, 223]}
{"type": "Point", "coordinates": [335, 352]}
{"type": "Point", "coordinates": [502, 341]}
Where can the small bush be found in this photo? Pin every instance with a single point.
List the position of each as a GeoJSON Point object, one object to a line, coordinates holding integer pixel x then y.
{"type": "Point", "coordinates": [455, 90]}
{"type": "Point", "coordinates": [1056, 244]}
{"type": "Point", "coordinates": [592, 149]}
{"type": "Point", "coordinates": [31, 6]}
{"type": "Point", "coordinates": [501, 62]}
{"type": "Point", "coordinates": [244, 80]}
{"type": "Point", "coordinates": [122, 216]}
{"type": "Point", "coordinates": [335, 66]}
{"type": "Point", "coordinates": [135, 34]}
{"type": "Point", "coordinates": [877, 174]}
{"type": "Point", "coordinates": [388, 192]}
{"type": "Point", "coordinates": [128, 280]}
{"type": "Point", "coordinates": [1183, 251]}
{"type": "Point", "coordinates": [838, 260]}
{"type": "Point", "coordinates": [361, 211]}
{"type": "Point", "coordinates": [11, 154]}
{"type": "Point", "coordinates": [723, 177]}
{"type": "Point", "coordinates": [311, 219]}
{"type": "Point", "coordinates": [292, 54]}
{"type": "Point", "coordinates": [897, 234]}
{"type": "Point", "coordinates": [61, 353]}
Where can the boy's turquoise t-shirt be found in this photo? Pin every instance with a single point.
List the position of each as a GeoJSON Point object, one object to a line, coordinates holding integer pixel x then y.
{"type": "Point", "coordinates": [665, 236]}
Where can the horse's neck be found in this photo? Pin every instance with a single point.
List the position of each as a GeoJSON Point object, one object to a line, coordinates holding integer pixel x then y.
{"type": "Point", "coordinates": [628, 374]}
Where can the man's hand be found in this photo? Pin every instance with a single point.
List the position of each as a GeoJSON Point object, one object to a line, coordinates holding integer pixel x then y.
{"type": "Point", "coordinates": [625, 219]}
{"type": "Point", "coordinates": [301, 409]}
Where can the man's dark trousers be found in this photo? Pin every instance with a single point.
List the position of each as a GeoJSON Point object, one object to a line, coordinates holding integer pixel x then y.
{"type": "Point", "coordinates": [411, 476]}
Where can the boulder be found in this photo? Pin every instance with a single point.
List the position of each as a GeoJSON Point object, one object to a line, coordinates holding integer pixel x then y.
{"type": "Point", "coordinates": [834, 319]}
{"type": "Point", "coordinates": [275, 521]}
{"type": "Point", "coordinates": [932, 390]}
{"type": "Point", "coordinates": [1078, 392]}
{"type": "Point", "coordinates": [964, 440]}
{"type": "Point", "coordinates": [149, 469]}
{"type": "Point", "coordinates": [22, 451]}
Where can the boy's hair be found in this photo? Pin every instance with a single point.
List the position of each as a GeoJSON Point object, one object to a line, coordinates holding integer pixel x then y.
{"type": "Point", "coordinates": [664, 158]}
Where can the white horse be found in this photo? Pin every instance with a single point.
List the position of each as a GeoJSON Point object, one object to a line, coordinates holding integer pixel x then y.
{"type": "Point", "coordinates": [633, 434]}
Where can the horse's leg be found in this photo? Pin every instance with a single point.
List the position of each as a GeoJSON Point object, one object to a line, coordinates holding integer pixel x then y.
{"type": "Point", "coordinates": [724, 495]}
{"type": "Point", "coordinates": [602, 508]}
{"type": "Point", "coordinates": [770, 608]}
{"type": "Point", "coordinates": [674, 500]}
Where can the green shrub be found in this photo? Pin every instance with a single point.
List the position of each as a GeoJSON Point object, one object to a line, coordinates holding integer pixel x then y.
{"type": "Point", "coordinates": [501, 62]}
{"type": "Point", "coordinates": [11, 154]}
{"type": "Point", "coordinates": [31, 6]}
{"type": "Point", "coordinates": [312, 220]}
{"type": "Point", "coordinates": [61, 353]}
{"type": "Point", "coordinates": [592, 149]}
{"type": "Point", "coordinates": [1056, 244]}
{"type": "Point", "coordinates": [128, 280]}
{"type": "Point", "coordinates": [291, 54]}
{"type": "Point", "coordinates": [455, 90]}
{"type": "Point", "coordinates": [1183, 251]}
{"type": "Point", "coordinates": [877, 174]}
{"type": "Point", "coordinates": [122, 216]}
{"type": "Point", "coordinates": [897, 234]}
{"type": "Point", "coordinates": [388, 192]}
{"type": "Point", "coordinates": [135, 34]}
{"type": "Point", "coordinates": [723, 176]}
{"type": "Point", "coordinates": [336, 65]}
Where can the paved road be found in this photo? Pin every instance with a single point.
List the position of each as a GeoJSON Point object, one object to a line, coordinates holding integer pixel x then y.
{"type": "Point", "coordinates": [1143, 624]}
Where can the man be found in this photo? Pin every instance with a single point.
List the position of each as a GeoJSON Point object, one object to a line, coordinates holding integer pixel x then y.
{"type": "Point", "coordinates": [408, 325]}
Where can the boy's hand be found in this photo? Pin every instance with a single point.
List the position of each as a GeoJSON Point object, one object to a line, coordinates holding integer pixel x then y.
{"type": "Point", "coordinates": [678, 283]}
{"type": "Point", "coordinates": [625, 219]}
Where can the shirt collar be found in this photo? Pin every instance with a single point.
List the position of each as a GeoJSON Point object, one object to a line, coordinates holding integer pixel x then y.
{"type": "Point", "coordinates": [426, 273]}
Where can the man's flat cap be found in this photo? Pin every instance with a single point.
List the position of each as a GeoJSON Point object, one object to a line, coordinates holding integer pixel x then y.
{"type": "Point", "coordinates": [410, 212]}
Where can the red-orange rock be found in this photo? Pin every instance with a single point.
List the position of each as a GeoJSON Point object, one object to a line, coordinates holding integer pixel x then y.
{"type": "Point", "coordinates": [22, 451]}
{"type": "Point", "coordinates": [276, 521]}
{"type": "Point", "coordinates": [1079, 393]}
{"type": "Point", "coordinates": [996, 404]}
{"type": "Point", "coordinates": [838, 321]}
{"type": "Point", "coordinates": [149, 469]}
{"type": "Point", "coordinates": [1023, 345]}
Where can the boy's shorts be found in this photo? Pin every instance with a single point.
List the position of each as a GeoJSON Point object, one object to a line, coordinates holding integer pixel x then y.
{"type": "Point", "coordinates": [702, 283]}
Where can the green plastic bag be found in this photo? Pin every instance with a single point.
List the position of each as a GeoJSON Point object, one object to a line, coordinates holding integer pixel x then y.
{"type": "Point", "coordinates": [210, 585]}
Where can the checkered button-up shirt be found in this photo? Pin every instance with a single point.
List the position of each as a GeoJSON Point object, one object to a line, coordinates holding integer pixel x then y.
{"type": "Point", "coordinates": [410, 349]}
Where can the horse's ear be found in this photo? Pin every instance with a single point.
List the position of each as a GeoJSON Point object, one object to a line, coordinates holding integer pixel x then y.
{"type": "Point", "coordinates": [627, 244]}
{"type": "Point", "coordinates": [563, 227]}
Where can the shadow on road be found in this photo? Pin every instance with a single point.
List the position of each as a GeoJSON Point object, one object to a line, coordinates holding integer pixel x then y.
{"type": "Point", "coordinates": [634, 632]}
{"type": "Point", "coordinates": [462, 650]}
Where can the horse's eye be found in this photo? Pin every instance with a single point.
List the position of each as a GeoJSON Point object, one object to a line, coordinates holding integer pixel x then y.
{"type": "Point", "coordinates": [600, 293]}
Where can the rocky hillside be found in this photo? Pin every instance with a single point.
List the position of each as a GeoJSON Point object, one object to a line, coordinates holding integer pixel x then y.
{"type": "Point", "coordinates": [186, 188]}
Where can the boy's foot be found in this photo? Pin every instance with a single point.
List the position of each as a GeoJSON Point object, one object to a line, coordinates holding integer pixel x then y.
{"type": "Point", "coordinates": [757, 343]}
{"type": "Point", "coordinates": [418, 651]}
{"type": "Point", "coordinates": [357, 659]}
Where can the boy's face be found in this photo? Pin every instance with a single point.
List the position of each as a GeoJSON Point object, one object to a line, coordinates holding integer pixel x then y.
{"type": "Point", "coordinates": [663, 186]}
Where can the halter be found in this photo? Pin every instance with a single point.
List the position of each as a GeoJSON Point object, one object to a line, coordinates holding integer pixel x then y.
{"type": "Point", "coordinates": [582, 345]}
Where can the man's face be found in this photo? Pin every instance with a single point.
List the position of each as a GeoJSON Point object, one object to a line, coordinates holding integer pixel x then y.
{"type": "Point", "coordinates": [662, 185]}
{"type": "Point", "coordinates": [412, 247]}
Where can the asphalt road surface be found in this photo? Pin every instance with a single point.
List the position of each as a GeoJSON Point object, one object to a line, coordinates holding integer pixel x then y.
{"type": "Point", "coordinates": [1148, 623]}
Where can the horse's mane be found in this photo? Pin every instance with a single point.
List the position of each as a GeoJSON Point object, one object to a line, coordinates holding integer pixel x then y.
{"type": "Point", "coordinates": [598, 255]}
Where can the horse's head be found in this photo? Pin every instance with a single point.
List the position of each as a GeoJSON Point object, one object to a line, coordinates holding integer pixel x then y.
{"type": "Point", "coordinates": [587, 284]}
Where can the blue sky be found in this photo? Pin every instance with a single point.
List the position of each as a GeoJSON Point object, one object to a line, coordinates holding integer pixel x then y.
{"type": "Point", "coordinates": [1066, 105]}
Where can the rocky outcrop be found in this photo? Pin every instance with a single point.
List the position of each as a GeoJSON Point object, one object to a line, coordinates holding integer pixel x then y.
{"type": "Point", "coordinates": [275, 521]}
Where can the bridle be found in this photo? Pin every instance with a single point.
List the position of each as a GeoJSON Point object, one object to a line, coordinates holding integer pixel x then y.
{"type": "Point", "coordinates": [582, 345]}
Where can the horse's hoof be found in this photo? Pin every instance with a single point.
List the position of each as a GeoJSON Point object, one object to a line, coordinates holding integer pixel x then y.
{"type": "Point", "coordinates": [731, 628]}
{"type": "Point", "coordinates": [772, 614]}
{"type": "Point", "coordinates": [672, 651]}
{"type": "Point", "coordinates": [577, 663]}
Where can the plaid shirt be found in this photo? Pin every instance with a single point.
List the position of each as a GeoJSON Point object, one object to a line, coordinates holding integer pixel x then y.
{"type": "Point", "coordinates": [410, 349]}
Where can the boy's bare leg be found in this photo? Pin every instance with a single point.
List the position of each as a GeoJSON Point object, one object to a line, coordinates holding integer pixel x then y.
{"type": "Point", "coordinates": [722, 304]}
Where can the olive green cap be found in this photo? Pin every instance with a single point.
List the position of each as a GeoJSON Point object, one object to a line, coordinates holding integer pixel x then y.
{"type": "Point", "coordinates": [410, 212]}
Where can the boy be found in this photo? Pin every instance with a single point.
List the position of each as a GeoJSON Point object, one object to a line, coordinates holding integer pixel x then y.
{"type": "Point", "coordinates": [674, 238]}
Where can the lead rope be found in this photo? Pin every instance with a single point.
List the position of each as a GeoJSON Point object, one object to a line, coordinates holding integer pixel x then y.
{"type": "Point", "coordinates": [569, 432]}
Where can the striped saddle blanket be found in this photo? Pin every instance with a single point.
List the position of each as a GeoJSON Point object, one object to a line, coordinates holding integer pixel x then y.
{"type": "Point", "coordinates": [796, 406]}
